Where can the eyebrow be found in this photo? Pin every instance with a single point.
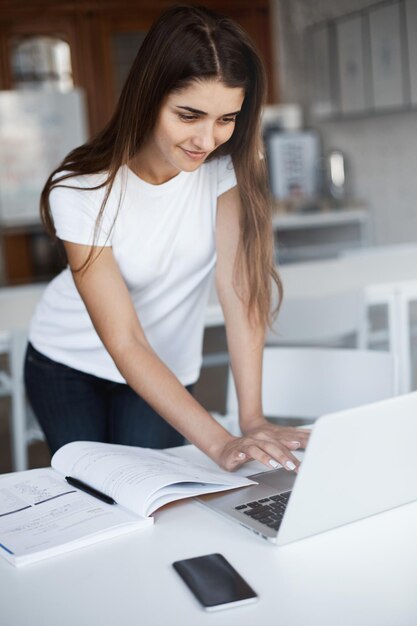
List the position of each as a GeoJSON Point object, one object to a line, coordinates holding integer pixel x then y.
{"type": "Point", "coordinates": [198, 112]}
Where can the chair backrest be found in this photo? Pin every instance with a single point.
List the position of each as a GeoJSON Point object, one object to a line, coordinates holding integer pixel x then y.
{"type": "Point", "coordinates": [24, 426]}
{"type": "Point", "coordinates": [17, 305]}
{"type": "Point", "coordinates": [309, 382]}
{"type": "Point", "coordinates": [326, 321]}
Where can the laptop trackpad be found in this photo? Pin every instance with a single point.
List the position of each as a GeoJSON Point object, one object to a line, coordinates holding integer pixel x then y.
{"type": "Point", "coordinates": [279, 479]}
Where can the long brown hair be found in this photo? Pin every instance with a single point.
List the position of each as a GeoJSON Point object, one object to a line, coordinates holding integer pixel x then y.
{"type": "Point", "coordinates": [186, 44]}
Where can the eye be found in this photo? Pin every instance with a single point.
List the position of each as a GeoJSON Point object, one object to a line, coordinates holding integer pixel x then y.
{"type": "Point", "coordinates": [187, 117]}
{"type": "Point", "coordinates": [228, 120]}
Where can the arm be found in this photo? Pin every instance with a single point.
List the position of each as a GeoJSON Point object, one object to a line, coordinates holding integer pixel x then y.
{"type": "Point", "coordinates": [246, 343]}
{"type": "Point", "coordinates": [114, 317]}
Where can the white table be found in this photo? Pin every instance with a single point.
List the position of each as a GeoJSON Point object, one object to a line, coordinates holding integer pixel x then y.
{"type": "Point", "coordinates": [362, 574]}
{"type": "Point", "coordinates": [387, 275]}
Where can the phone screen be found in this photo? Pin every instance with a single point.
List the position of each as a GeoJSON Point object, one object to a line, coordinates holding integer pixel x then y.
{"type": "Point", "coordinates": [214, 582]}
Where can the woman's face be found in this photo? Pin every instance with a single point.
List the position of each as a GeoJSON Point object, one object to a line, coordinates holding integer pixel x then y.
{"type": "Point", "coordinates": [191, 124]}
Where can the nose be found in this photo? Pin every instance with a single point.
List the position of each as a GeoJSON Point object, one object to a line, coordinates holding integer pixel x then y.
{"type": "Point", "coordinates": [205, 139]}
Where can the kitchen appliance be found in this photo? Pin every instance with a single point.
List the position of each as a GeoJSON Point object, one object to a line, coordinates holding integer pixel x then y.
{"type": "Point", "coordinates": [293, 163]}
{"type": "Point", "coordinates": [335, 175]}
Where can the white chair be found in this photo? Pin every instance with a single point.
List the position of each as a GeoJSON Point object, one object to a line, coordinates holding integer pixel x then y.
{"type": "Point", "coordinates": [309, 382]}
{"type": "Point", "coordinates": [24, 427]}
{"type": "Point", "coordinates": [16, 307]}
{"type": "Point", "coordinates": [336, 320]}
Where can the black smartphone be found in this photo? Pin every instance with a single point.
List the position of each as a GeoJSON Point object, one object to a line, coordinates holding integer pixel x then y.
{"type": "Point", "coordinates": [214, 582]}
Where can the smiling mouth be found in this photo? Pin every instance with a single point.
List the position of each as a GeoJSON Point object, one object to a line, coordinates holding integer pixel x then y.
{"type": "Point", "coordinates": [196, 156]}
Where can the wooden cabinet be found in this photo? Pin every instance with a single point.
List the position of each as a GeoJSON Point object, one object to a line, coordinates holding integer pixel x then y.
{"type": "Point", "coordinates": [93, 30]}
{"type": "Point", "coordinates": [103, 36]}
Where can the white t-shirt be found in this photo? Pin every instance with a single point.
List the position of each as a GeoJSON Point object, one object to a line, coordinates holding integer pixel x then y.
{"type": "Point", "coordinates": [163, 240]}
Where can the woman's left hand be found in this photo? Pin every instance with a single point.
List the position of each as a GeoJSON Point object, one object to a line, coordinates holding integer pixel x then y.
{"type": "Point", "coordinates": [292, 438]}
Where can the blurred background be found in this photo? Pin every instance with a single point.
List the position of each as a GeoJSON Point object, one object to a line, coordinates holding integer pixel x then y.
{"type": "Point", "coordinates": [340, 127]}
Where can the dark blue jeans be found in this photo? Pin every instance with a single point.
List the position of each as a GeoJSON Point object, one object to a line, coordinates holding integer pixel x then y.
{"type": "Point", "coordinates": [73, 406]}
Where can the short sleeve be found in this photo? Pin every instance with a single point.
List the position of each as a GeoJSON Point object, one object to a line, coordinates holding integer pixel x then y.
{"type": "Point", "coordinates": [75, 212]}
{"type": "Point", "coordinates": [226, 178]}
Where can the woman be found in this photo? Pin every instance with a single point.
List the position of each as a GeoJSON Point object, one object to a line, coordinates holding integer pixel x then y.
{"type": "Point", "coordinates": [172, 188]}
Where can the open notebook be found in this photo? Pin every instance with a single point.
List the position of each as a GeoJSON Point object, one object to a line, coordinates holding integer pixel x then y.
{"type": "Point", "coordinates": [41, 514]}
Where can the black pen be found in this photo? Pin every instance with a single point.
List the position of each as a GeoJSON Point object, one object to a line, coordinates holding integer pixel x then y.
{"type": "Point", "coordinates": [93, 492]}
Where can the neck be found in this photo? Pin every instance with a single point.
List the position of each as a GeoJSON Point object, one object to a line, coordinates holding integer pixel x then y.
{"type": "Point", "coordinates": [143, 166]}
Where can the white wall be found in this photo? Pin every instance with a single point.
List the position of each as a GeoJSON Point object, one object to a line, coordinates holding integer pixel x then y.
{"type": "Point", "coordinates": [381, 149]}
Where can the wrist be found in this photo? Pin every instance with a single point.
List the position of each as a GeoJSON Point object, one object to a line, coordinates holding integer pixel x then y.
{"type": "Point", "coordinates": [217, 444]}
{"type": "Point", "coordinates": [247, 423]}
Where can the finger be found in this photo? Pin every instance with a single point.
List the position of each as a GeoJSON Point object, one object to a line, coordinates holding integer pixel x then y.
{"type": "Point", "coordinates": [291, 445]}
{"type": "Point", "coordinates": [293, 441]}
{"type": "Point", "coordinates": [295, 434]}
{"type": "Point", "coordinates": [291, 432]}
{"type": "Point", "coordinates": [235, 459]}
{"type": "Point", "coordinates": [272, 455]}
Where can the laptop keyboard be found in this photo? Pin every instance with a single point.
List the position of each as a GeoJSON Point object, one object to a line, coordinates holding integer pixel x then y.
{"type": "Point", "coordinates": [268, 511]}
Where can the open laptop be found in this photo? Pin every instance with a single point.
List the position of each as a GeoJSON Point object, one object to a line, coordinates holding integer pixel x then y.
{"type": "Point", "coordinates": [358, 462]}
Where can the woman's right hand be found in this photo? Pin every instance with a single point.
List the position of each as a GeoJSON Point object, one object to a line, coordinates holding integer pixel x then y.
{"type": "Point", "coordinates": [239, 450]}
